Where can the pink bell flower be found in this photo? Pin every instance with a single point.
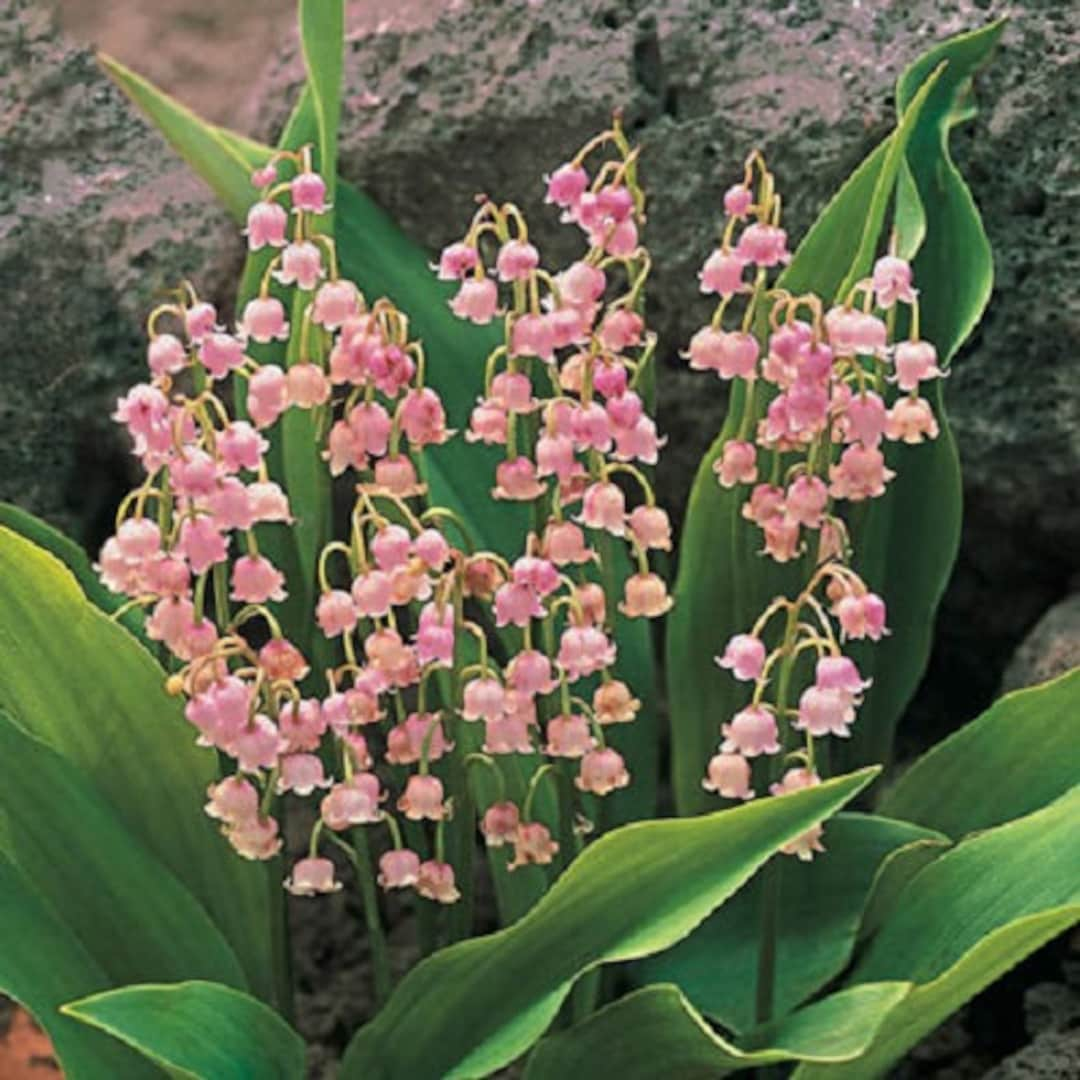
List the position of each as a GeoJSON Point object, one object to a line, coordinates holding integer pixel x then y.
{"type": "Point", "coordinates": [744, 657]}
{"type": "Point", "coordinates": [435, 881]}
{"type": "Point", "coordinates": [477, 300]}
{"type": "Point", "coordinates": [353, 802]}
{"type": "Point", "coordinates": [737, 464]}
{"type": "Point", "coordinates": [308, 191]}
{"type": "Point", "coordinates": [604, 507]}
{"type": "Point", "coordinates": [301, 774]}
{"type": "Point", "coordinates": [423, 799]}
{"type": "Point", "coordinates": [266, 225]}
{"type": "Point", "coordinates": [312, 876]}
{"type": "Point", "coordinates": [255, 580]}
{"type": "Point", "coordinates": [166, 355]}
{"type": "Point", "coordinates": [722, 273]}
{"type": "Point", "coordinates": [301, 265]}
{"type": "Point", "coordinates": [729, 776]}
{"type": "Point", "coordinates": [602, 771]}
{"type": "Point", "coordinates": [500, 823]}
{"type": "Point", "coordinates": [751, 732]}
{"type": "Point", "coordinates": [264, 320]}
{"type": "Point", "coordinates": [568, 736]}
{"type": "Point", "coordinates": [516, 260]}
{"type": "Point", "coordinates": [891, 281]}
{"type": "Point", "coordinates": [268, 395]}
{"type": "Point", "coordinates": [335, 303]}
{"type": "Point", "coordinates": [399, 868]}
{"type": "Point", "coordinates": [614, 704]}
{"type": "Point", "coordinates": [533, 844]}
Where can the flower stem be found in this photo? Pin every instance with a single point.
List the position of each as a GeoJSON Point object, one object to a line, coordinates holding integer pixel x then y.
{"type": "Point", "coordinates": [380, 958]}
{"type": "Point", "coordinates": [773, 870]}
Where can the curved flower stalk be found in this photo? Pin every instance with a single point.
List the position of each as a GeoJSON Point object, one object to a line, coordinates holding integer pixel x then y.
{"type": "Point", "coordinates": [374, 735]}
{"type": "Point", "coordinates": [824, 372]}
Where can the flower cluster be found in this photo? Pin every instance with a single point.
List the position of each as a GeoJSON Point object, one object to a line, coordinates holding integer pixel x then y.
{"type": "Point", "coordinates": [404, 593]}
{"type": "Point", "coordinates": [820, 374]}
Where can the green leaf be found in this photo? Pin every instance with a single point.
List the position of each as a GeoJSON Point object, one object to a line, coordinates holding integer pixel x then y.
{"type": "Point", "coordinates": [74, 558]}
{"type": "Point", "coordinates": [967, 918]}
{"type": "Point", "coordinates": [903, 550]}
{"type": "Point", "coordinates": [42, 965]}
{"type": "Point", "coordinates": [1018, 869]}
{"type": "Point", "coordinates": [322, 37]}
{"type": "Point", "coordinates": [820, 910]}
{"type": "Point", "coordinates": [198, 1030]}
{"type": "Point", "coordinates": [86, 687]}
{"type": "Point", "coordinates": [129, 912]}
{"type": "Point", "coordinates": [928, 1005]}
{"type": "Point", "coordinates": [892, 877]}
{"type": "Point", "coordinates": [475, 1006]}
{"type": "Point", "coordinates": [1022, 753]}
{"type": "Point", "coordinates": [197, 142]}
{"type": "Point", "coordinates": [657, 1032]}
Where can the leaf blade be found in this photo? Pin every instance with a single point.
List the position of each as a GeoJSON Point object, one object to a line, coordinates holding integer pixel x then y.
{"type": "Point", "coordinates": [635, 891]}
{"type": "Point", "coordinates": [198, 1029]}
{"type": "Point", "coordinates": [64, 660]}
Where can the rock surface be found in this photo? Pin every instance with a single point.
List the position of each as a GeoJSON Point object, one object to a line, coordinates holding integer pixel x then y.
{"type": "Point", "coordinates": [96, 216]}
{"type": "Point", "coordinates": [1051, 649]}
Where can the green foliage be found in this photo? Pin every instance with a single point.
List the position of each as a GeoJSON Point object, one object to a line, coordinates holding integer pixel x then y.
{"type": "Point", "coordinates": [475, 1006]}
{"type": "Point", "coordinates": [904, 552]}
{"type": "Point", "coordinates": [84, 686]}
{"type": "Point", "coordinates": [42, 965]}
{"type": "Point", "coordinates": [967, 918]}
{"type": "Point", "coordinates": [127, 910]}
{"type": "Point", "coordinates": [1015, 758]}
{"type": "Point", "coordinates": [821, 907]}
{"type": "Point", "coordinates": [197, 1030]}
{"type": "Point", "coordinates": [657, 1032]}
{"type": "Point", "coordinates": [74, 558]}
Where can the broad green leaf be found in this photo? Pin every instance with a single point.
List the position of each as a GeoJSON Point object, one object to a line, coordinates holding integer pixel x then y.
{"type": "Point", "coordinates": [657, 1032]}
{"type": "Point", "coordinates": [197, 1030]}
{"type": "Point", "coordinates": [821, 905]}
{"type": "Point", "coordinates": [928, 1005]}
{"type": "Point", "coordinates": [1018, 869]}
{"type": "Point", "coordinates": [74, 557]}
{"type": "Point", "coordinates": [128, 911]}
{"type": "Point", "coordinates": [906, 542]}
{"type": "Point", "coordinates": [199, 143]}
{"type": "Point", "coordinates": [970, 916]}
{"type": "Point", "coordinates": [472, 1008]}
{"type": "Point", "coordinates": [42, 965]}
{"type": "Point", "coordinates": [904, 552]}
{"type": "Point", "coordinates": [85, 686]}
{"type": "Point", "coordinates": [1022, 753]}
{"type": "Point", "coordinates": [724, 583]}
{"type": "Point", "coordinates": [892, 877]}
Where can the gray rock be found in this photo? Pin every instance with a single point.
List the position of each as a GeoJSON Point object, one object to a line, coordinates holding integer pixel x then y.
{"type": "Point", "coordinates": [96, 217]}
{"type": "Point", "coordinates": [1054, 1055]}
{"type": "Point", "coordinates": [1051, 1006]}
{"type": "Point", "coordinates": [447, 99]}
{"type": "Point", "coordinates": [1051, 649]}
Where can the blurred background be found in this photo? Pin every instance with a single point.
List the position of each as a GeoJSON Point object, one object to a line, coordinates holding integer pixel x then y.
{"type": "Point", "coordinates": [445, 98]}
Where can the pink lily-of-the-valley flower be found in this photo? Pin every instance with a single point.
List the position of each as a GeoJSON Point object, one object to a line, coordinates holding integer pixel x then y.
{"type": "Point", "coordinates": [559, 394]}
{"type": "Point", "coordinates": [812, 437]}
